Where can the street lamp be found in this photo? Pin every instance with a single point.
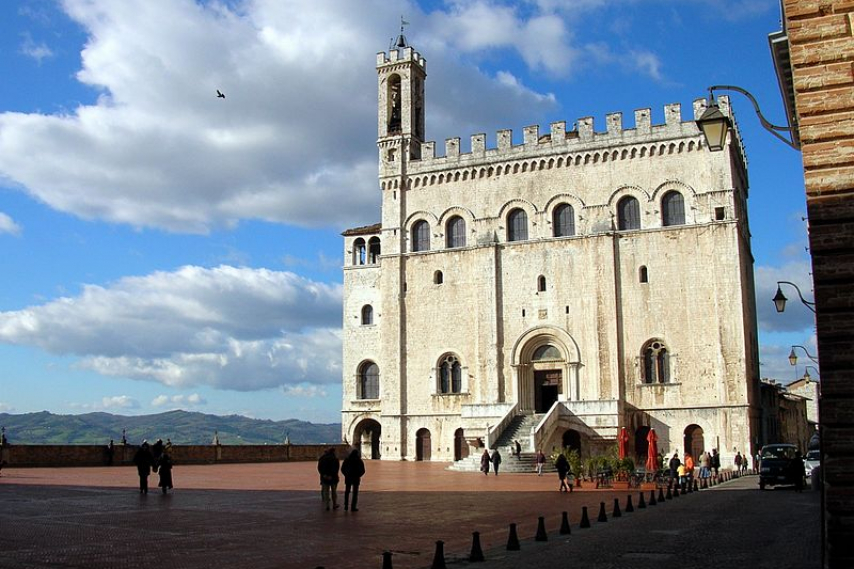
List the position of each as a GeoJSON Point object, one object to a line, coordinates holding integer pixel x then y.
{"type": "Point", "coordinates": [780, 298]}
{"type": "Point", "coordinates": [715, 125]}
{"type": "Point", "coordinates": [807, 376]}
{"type": "Point", "coordinates": [793, 358]}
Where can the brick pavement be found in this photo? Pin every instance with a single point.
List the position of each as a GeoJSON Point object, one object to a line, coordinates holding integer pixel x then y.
{"type": "Point", "coordinates": [270, 516]}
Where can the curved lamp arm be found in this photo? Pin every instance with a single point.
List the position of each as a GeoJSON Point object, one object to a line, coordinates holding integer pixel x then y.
{"type": "Point", "coordinates": [780, 298]}
{"type": "Point", "coordinates": [793, 358]}
{"type": "Point", "coordinates": [772, 128]}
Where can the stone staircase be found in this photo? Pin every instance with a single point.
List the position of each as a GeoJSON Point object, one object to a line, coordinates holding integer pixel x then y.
{"type": "Point", "coordinates": [519, 429]}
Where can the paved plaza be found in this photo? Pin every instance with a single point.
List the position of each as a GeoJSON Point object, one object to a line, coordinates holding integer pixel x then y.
{"type": "Point", "coordinates": [270, 516]}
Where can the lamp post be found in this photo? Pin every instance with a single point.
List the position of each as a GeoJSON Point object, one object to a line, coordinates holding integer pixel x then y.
{"type": "Point", "coordinates": [807, 377]}
{"type": "Point", "coordinates": [780, 298]}
{"type": "Point", "coordinates": [793, 358]}
{"type": "Point", "coordinates": [715, 125]}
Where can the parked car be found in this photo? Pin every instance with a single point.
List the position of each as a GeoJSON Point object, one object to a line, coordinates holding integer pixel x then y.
{"type": "Point", "coordinates": [777, 465]}
{"type": "Point", "coordinates": [811, 461]}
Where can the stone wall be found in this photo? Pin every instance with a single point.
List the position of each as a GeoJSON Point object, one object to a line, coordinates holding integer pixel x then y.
{"type": "Point", "coordinates": [822, 58]}
{"type": "Point", "coordinates": [97, 455]}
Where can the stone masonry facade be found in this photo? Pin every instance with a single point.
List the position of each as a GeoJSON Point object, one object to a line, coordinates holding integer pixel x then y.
{"type": "Point", "coordinates": [582, 280]}
{"type": "Point", "coordinates": [821, 38]}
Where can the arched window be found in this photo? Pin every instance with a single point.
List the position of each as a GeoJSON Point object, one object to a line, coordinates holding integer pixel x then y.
{"type": "Point", "coordinates": [455, 233]}
{"type": "Point", "coordinates": [517, 225]}
{"type": "Point", "coordinates": [420, 236]}
{"type": "Point", "coordinates": [643, 274]}
{"type": "Point", "coordinates": [541, 283]}
{"type": "Point", "coordinates": [563, 221]}
{"type": "Point", "coordinates": [374, 250]}
{"type": "Point", "coordinates": [394, 115]}
{"type": "Point", "coordinates": [656, 363]}
{"type": "Point", "coordinates": [367, 315]}
{"type": "Point", "coordinates": [546, 352]}
{"type": "Point", "coordinates": [628, 214]}
{"type": "Point", "coordinates": [450, 375]}
{"type": "Point", "coordinates": [359, 252]}
{"type": "Point", "coordinates": [438, 277]}
{"type": "Point", "coordinates": [369, 381]}
{"type": "Point", "coordinates": [672, 209]}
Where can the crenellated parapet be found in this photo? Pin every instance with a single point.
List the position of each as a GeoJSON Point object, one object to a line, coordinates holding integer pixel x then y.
{"type": "Point", "coordinates": [579, 145]}
{"type": "Point", "coordinates": [403, 55]}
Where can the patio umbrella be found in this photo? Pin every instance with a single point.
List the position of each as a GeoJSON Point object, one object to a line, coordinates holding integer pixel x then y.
{"type": "Point", "coordinates": [623, 441]}
{"type": "Point", "coordinates": [652, 451]}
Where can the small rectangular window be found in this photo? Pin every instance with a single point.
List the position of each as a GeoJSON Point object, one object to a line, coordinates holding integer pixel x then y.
{"type": "Point", "coordinates": [720, 214]}
{"type": "Point", "coordinates": [523, 313]}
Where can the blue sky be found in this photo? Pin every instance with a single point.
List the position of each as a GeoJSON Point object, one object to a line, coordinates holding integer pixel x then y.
{"type": "Point", "coordinates": [162, 248]}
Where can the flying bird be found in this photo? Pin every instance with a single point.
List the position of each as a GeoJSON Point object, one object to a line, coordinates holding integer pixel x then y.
{"type": "Point", "coordinates": [219, 94]}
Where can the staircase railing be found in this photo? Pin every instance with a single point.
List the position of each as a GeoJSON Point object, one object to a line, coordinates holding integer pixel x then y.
{"type": "Point", "coordinates": [547, 425]}
{"type": "Point", "coordinates": [494, 431]}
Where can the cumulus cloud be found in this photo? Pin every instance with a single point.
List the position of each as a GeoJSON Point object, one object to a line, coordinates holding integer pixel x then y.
{"type": "Point", "coordinates": [294, 134]}
{"type": "Point", "coordinates": [38, 51]}
{"type": "Point", "coordinates": [119, 402]}
{"type": "Point", "coordinates": [178, 401]}
{"type": "Point", "coordinates": [227, 327]}
{"type": "Point", "coordinates": [8, 225]}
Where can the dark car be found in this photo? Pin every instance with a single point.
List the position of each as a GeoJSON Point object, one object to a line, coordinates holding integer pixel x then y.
{"type": "Point", "coordinates": [780, 464]}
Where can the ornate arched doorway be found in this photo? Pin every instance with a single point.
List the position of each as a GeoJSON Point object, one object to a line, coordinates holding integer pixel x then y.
{"type": "Point", "coordinates": [546, 368]}
{"type": "Point", "coordinates": [422, 444]}
{"type": "Point", "coordinates": [693, 440]}
{"type": "Point", "coordinates": [366, 436]}
{"type": "Point", "coordinates": [461, 448]}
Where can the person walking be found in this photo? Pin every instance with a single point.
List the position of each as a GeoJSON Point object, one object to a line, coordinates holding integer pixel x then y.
{"type": "Point", "coordinates": [689, 467]}
{"type": "Point", "coordinates": [716, 462]}
{"type": "Point", "coordinates": [738, 460]}
{"type": "Point", "coordinates": [143, 461]}
{"type": "Point", "coordinates": [496, 461]}
{"type": "Point", "coordinates": [674, 465]}
{"type": "Point", "coordinates": [562, 465]}
{"type": "Point", "coordinates": [165, 472]}
{"type": "Point", "coordinates": [327, 467]}
{"type": "Point", "coordinates": [541, 461]}
{"type": "Point", "coordinates": [485, 462]}
{"type": "Point", "coordinates": [353, 468]}
{"type": "Point", "coordinates": [705, 465]}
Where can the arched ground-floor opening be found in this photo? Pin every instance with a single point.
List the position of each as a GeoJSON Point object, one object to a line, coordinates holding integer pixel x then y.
{"type": "Point", "coordinates": [366, 436]}
{"type": "Point", "coordinates": [572, 440]}
{"type": "Point", "coordinates": [641, 445]}
{"type": "Point", "coordinates": [693, 441]}
{"type": "Point", "coordinates": [461, 447]}
{"type": "Point", "coordinates": [422, 444]}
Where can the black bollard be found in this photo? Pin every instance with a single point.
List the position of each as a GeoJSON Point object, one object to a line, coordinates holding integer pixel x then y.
{"type": "Point", "coordinates": [669, 494]}
{"type": "Point", "coordinates": [602, 516]}
{"type": "Point", "coordinates": [585, 521]}
{"type": "Point", "coordinates": [652, 500]}
{"type": "Point", "coordinates": [617, 513]}
{"type": "Point", "coordinates": [386, 559]}
{"type": "Point", "coordinates": [661, 495]}
{"type": "Point", "coordinates": [439, 558]}
{"type": "Point", "coordinates": [513, 539]}
{"type": "Point", "coordinates": [476, 551]}
{"type": "Point", "coordinates": [564, 525]}
{"type": "Point", "coordinates": [641, 501]}
{"type": "Point", "coordinates": [629, 507]}
{"type": "Point", "coordinates": [541, 530]}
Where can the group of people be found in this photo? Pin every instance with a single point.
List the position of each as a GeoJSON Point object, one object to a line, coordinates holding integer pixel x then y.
{"type": "Point", "coordinates": [353, 468]}
{"type": "Point", "coordinates": [486, 460]}
{"type": "Point", "coordinates": [155, 458]}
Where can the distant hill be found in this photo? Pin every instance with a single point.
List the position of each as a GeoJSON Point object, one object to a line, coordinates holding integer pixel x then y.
{"type": "Point", "coordinates": [183, 427]}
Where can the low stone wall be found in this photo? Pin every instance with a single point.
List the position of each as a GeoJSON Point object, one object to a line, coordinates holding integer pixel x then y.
{"type": "Point", "coordinates": [98, 455]}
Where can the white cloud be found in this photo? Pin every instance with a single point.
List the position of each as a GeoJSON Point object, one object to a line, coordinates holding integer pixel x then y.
{"type": "Point", "coordinates": [179, 401]}
{"type": "Point", "coordinates": [38, 51]}
{"type": "Point", "coordinates": [8, 225]}
{"type": "Point", "coordinates": [304, 390]}
{"type": "Point", "coordinates": [226, 327]}
{"type": "Point", "coordinates": [294, 134]}
{"type": "Point", "coordinates": [119, 402]}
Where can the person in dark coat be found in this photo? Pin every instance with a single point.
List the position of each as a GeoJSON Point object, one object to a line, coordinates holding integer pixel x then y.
{"type": "Point", "coordinates": [518, 449]}
{"type": "Point", "coordinates": [674, 466]}
{"type": "Point", "coordinates": [496, 461]}
{"type": "Point", "coordinates": [353, 468]}
{"type": "Point", "coordinates": [327, 467]}
{"type": "Point", "coordinates": [485, 462]}
{"type": "Point", "coordinates": [165, 472]}
{"type": "Point", "coordinates": [143, 461]}
{"type": "Point", "coordinates": [562, 465]}
{"type": "Point", "coordinates": [798, 471]}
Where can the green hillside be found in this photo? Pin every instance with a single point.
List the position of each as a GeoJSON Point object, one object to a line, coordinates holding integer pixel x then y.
{"type": "Point", "coordinates": [182, 427]}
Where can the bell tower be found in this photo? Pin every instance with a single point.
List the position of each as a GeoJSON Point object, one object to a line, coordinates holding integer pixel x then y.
{"type": "Point", "coordinates": [400, 104]}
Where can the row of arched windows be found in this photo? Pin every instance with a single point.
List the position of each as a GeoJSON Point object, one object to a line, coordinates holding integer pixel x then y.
{"type": "Point", "coordinates": [449, 371]}
{"type": "Point", "coordinates": [563, 222]}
